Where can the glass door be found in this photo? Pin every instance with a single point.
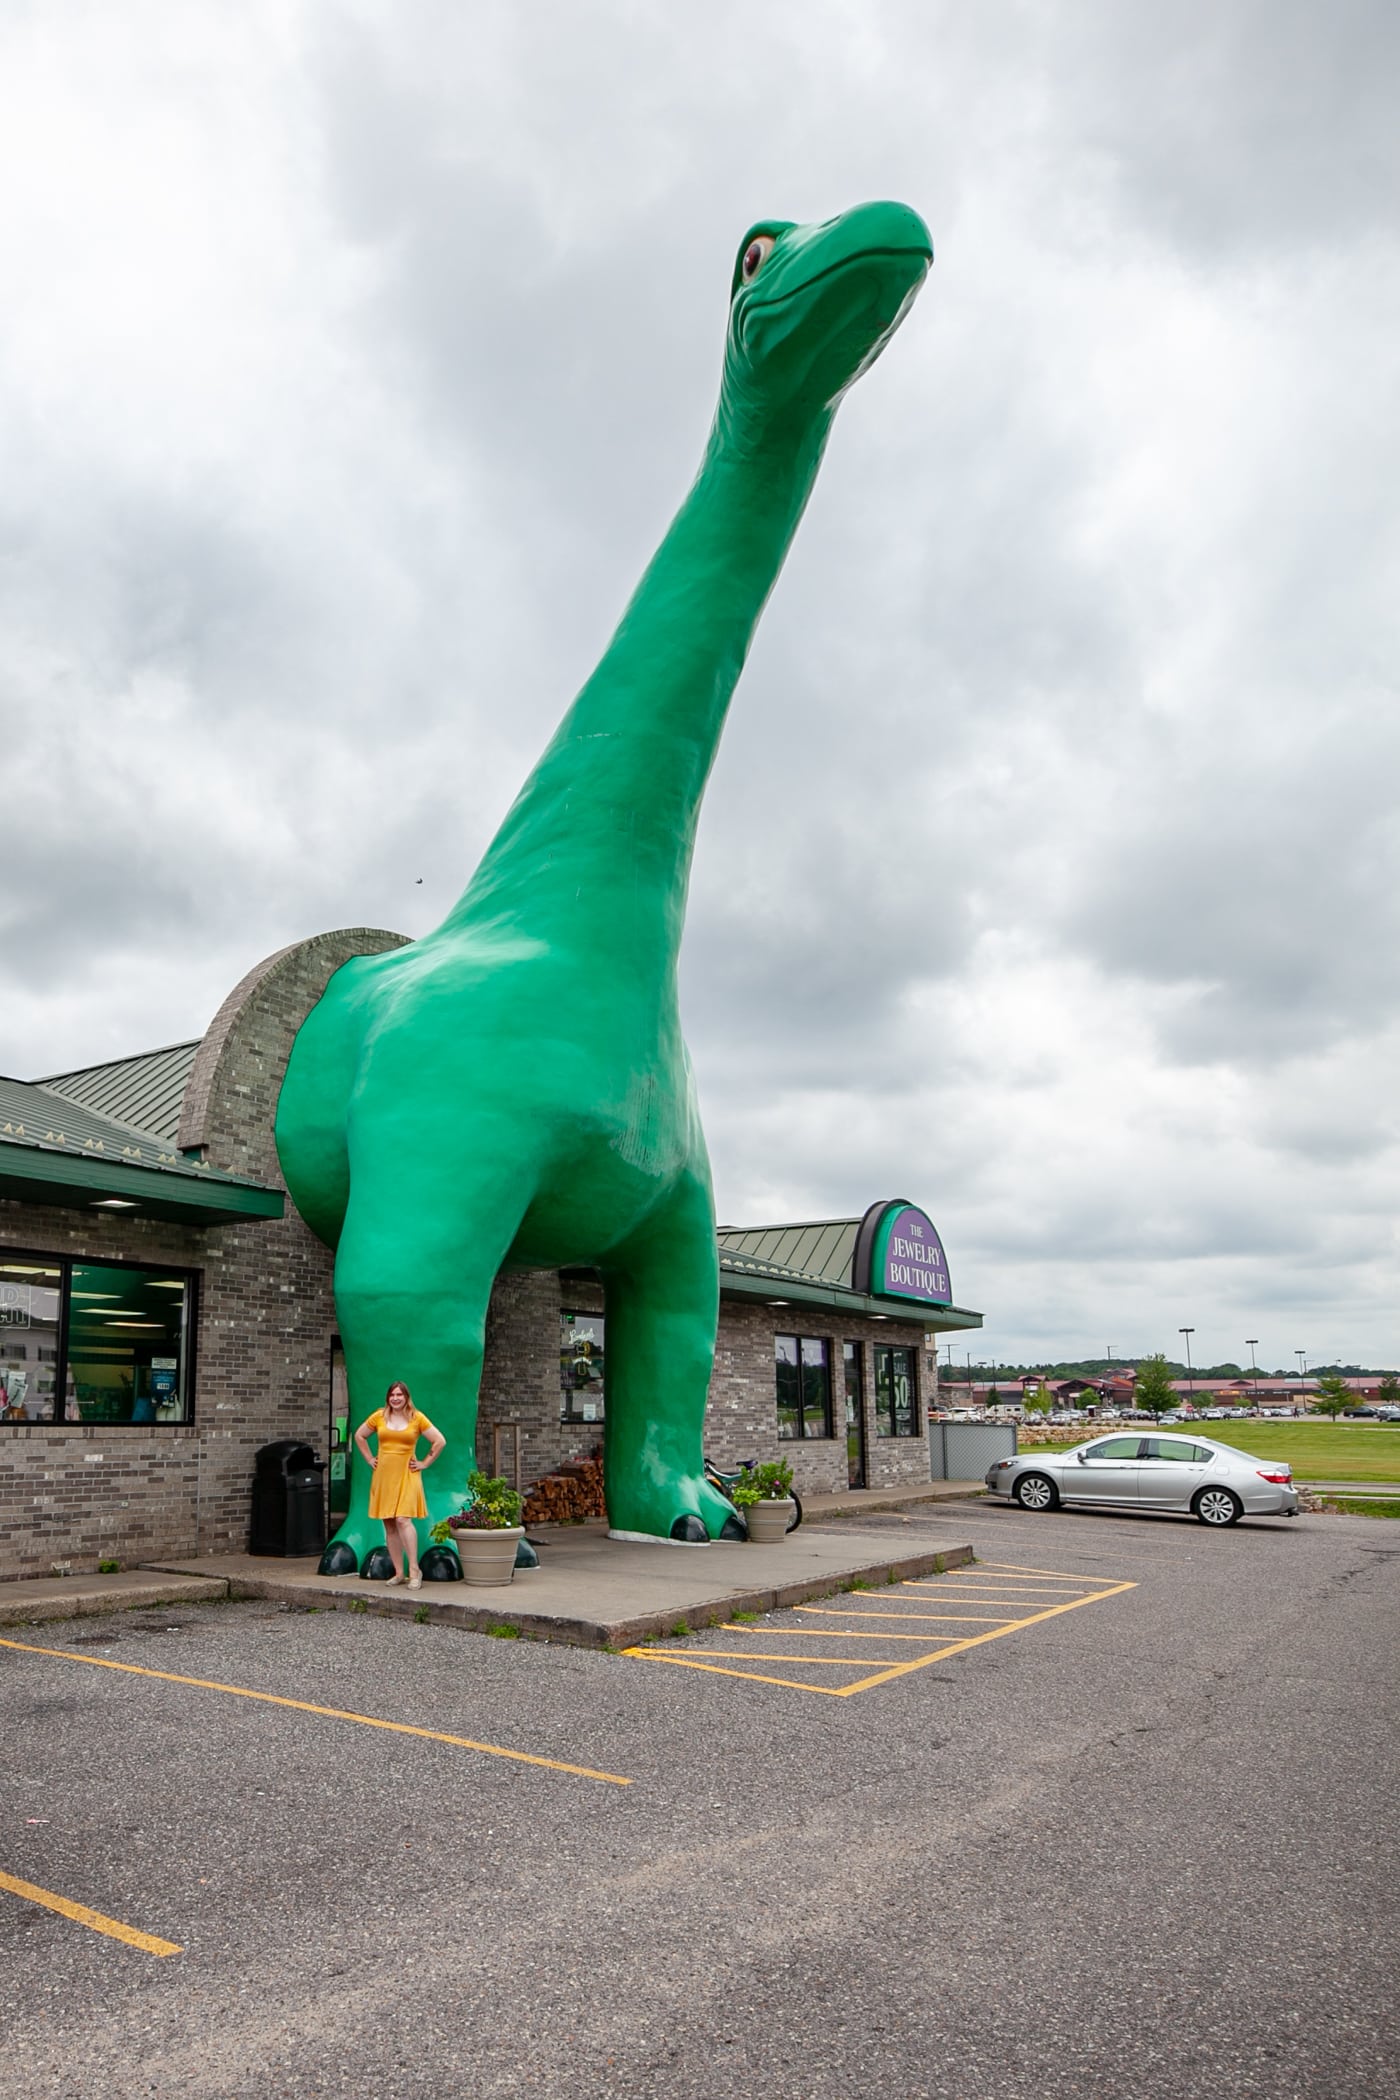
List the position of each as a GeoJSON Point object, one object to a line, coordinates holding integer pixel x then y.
{"type": "Point", "coordinates": [338, 1471]}
{"type": "Point", "coordinates": [855, 1413]}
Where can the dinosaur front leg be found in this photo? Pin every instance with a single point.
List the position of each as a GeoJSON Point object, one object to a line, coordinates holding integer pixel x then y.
{"type": "Point", "coordinates": [662, 1306]}
{"type": "Point", "coordinates": [413, 1279]}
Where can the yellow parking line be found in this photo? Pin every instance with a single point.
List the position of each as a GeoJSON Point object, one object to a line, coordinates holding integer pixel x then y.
{"type": "Point", "coordinates": [682, 1662]}
{"type": "Point", "coordinates": [767, 1655]}
{"type": "Point", "coordinates": [330, 1713]}
{"type": "Point", "coordinates": [1006, 1596]}
{"type": "Point", "coordinates": [829, 1633]}
{"type": "Point", "coordinates": [976, 1640]}
{"type": "Point", "coordinates": [96, 1920]}
{"type": "Point", "coordinates": [1012, 1567]}
{"type": "Point", "coordinates": [967, 1618]}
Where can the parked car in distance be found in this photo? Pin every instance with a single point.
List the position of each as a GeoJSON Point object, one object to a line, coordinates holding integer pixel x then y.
{"type": "Point", "coordinates": [1360, 1414]}
{"type": "Point", "coordinates": [1215, 1483]}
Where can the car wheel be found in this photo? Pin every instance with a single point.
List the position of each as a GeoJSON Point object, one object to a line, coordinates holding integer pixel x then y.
{"type": "Point", "coordinates": [1217, 1506]}
{"type": "Point", "coordinates": [1034, 1492]}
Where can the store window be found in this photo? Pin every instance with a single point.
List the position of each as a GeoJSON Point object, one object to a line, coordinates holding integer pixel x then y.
{"type": "Point", "coordinates": [803, 1364]}
{"type": "Point", "coordinates": [582, 1349]}
{"type": "Point", "coordinates": [95, 1342]}
{"type": "Point", "coordinates": [896, 1404]}
{"type": "Point", "coordinates": [31, 1295]}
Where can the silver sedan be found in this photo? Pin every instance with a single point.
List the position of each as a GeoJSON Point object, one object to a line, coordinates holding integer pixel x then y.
{"type": "Point", "coordinates": [1216, 1483]}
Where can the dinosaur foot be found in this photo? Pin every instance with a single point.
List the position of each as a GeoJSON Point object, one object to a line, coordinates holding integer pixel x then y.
{"type": "Point", "coordinates": [644, 1522]}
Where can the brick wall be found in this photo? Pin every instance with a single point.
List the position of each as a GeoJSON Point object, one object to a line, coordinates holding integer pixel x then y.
{"type": "Point", "coordinates": [265, 1317]}
{"type": "Point", "coordinates": [742, 1419]}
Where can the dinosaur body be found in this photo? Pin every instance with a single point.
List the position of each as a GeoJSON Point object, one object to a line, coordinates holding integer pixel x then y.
{"type": "Point", "coordinates": [513, 1090]}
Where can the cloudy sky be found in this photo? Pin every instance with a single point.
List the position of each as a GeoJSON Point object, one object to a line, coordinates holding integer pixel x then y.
{"type": "Point", "coordinates": [354, 358]}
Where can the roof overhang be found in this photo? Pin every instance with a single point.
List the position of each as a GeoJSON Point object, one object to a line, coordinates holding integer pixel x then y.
{"type": "Point", "coordinates": [36, 1174]}
{"type": "Point", "coordinates": [779, 1290]}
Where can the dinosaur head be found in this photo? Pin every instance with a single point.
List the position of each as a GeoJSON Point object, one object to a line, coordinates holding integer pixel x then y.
{"type": "Point", "coordinates": [811, 307]}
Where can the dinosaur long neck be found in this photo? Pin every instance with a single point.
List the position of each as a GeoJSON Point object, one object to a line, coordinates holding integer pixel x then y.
{"type": "Point", "coordinates": [604, 828]}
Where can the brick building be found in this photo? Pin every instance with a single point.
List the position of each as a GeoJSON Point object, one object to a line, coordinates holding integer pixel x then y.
{"type": "Point", "coordinates": [164, 1311]}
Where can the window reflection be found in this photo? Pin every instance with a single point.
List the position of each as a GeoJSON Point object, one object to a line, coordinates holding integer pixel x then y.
{"type": "Point", "coordinates": [126, 1345]}
{"type": "Point", "coordinates": [29, 1309]}
{"type": "Point", "coordinates": [802, 1364]}
{"type": "Point", "coordinates": [896, 1411]}
{"type": "Point", "coordinates": [582, 1350]}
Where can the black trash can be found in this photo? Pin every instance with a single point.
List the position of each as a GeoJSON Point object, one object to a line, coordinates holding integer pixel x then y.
{"type": "Point", "coordinates": [289, 1510]}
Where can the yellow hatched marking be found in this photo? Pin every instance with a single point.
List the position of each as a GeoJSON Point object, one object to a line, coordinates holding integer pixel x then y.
{"type": "Point", "coordinates": [968, 1618]}
{"type": "Point", "coordinates": [95, 1920]}
{"type": "Point", "coordinates": [681, 1662]}
{"type": "Point", "coordinates": [883, 1672]}
{"type": "Point", "coordinates": [976, 1640]}
{"type": "Point", "coordinates": [1012, 1567]}
{"type": "Point", "coordinates": [769, 1655]}
{"type": "Point", "coordinates": [330, 1713]}
{"type": "Point", "coordinates": [823, 1633]}
{"type": "Point", "coordinates": [1019, 1603]}
{"type": "Point", "coordinates": [1030, 1585]}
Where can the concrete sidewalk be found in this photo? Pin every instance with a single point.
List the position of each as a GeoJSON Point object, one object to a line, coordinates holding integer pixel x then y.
{"type": "Point", "coordinates": [74, 1596]}
{"type": "Point", "coordinates": [859, 1502]}
{"type": "Point", "coordinates": [588, 1591]}
{"type": "Point", "coordinates": [591, 1591]}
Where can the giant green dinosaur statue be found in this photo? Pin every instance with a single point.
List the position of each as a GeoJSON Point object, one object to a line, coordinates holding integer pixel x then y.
{"type": "Point", "coordinates": [512, 1090]}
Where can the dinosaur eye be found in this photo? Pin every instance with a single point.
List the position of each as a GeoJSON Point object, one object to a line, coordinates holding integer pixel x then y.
{"type": "Point", "coordinates": [755, 256]}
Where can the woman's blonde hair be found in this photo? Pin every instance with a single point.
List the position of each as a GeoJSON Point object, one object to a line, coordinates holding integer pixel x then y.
{"type": "Point", "coordinates": [398, 1386]}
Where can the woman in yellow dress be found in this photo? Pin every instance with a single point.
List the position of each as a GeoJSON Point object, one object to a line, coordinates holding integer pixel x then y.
{"type": "Point", "coordinates": [396, 1491]}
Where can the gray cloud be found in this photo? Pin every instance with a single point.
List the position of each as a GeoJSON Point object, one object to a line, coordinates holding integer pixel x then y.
{"type": "Point", "coordinates": [1049, 865]}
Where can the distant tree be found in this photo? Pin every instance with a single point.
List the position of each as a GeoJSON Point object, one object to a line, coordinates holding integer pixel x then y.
{"type": "Point", "coordinates": [1037, 1400]}
{"type": "Point", "coordinates": [1389, 1394]}
{"type": "Point", "coordinates": [1154, 1389]}
{"type": "Point", "coordinates": [1333, 1394]}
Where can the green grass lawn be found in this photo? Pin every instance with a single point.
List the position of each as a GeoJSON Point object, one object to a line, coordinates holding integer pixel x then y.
{"type": "Point", "coordinates": [1315, 1450]}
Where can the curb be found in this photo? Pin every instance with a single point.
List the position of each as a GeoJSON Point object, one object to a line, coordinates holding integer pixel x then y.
{"type": "Point", "coordinates": [350, 1594]}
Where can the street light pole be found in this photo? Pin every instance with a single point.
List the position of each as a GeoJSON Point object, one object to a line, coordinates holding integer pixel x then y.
{"type": "Point", "coordinates": [1190, 1384]}
{"type": "Point", "coordinates": [1302, 1356]}
{"type": "Point", "coordinates": [1251, 1343]}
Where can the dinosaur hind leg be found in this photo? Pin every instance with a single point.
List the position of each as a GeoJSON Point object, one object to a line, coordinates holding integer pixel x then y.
{"type": "Point", "coordinates": [662, 1304]}
{"type": "Point", "coordinates": [312, 1109]}
{"type": "Point", "coordinates": [418, 1255]}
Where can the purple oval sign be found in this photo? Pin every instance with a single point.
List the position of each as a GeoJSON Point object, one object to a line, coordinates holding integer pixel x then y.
{"type": "Point", "coordinates": [899, 1255]}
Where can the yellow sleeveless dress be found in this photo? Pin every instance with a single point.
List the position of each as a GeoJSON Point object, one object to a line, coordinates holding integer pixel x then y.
{"type": "Point", "coordinates": [393, 1490]}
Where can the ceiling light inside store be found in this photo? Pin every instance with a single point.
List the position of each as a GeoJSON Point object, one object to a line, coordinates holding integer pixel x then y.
{"type": "Point", "coordinates": [115, 1203]}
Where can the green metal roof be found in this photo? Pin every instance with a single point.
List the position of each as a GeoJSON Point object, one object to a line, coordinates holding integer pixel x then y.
{"type": "Point", "coordinates": [145, 1092]}
{"type": "Point", "coordinates": [52, 1150]}
{"type": "Point", "coordinates": [823, 1249]}
{"type": "Point", "coordinates": [811, 1265]}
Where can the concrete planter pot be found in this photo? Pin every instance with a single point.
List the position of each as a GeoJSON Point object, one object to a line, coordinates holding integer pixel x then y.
{"type": "Point", "coordinates": [768, 1521]}
{"type": "Point", "coordinates": [488, 1557]}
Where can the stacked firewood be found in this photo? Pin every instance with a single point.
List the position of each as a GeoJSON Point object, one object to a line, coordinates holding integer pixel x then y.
{"type": "Point", "coordinates": [573, 1492]}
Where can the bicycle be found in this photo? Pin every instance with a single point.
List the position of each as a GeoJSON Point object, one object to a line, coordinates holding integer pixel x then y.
{"type": "Point", "coordinates": [726, 1482]}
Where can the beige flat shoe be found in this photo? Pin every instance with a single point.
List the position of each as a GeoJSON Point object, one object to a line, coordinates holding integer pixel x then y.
{"type": "Point", "coordinates": [415, 1582]}
{"type": "Point", "coordinates": [397, 1578]}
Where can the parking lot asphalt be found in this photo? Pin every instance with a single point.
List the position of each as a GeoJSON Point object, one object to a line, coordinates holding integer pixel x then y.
{"type": "Point", "coordinates": [1147, 1847]}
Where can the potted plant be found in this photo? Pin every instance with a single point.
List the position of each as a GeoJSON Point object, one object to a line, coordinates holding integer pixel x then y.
{"type": "Point", "coordinates": [485, 1533]}
{"type": "Point", "coordinates": [765, 1497]}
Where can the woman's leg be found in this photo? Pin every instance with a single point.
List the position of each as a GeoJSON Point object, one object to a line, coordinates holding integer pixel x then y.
{"type": "Point", "coordinates": [391, 1540]}
{"type": "Point", "coordinates": [408, 1538]}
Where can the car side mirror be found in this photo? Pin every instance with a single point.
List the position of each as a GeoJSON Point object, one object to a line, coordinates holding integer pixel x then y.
{"type": "Point", "coordinates": [1082, 1457]}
